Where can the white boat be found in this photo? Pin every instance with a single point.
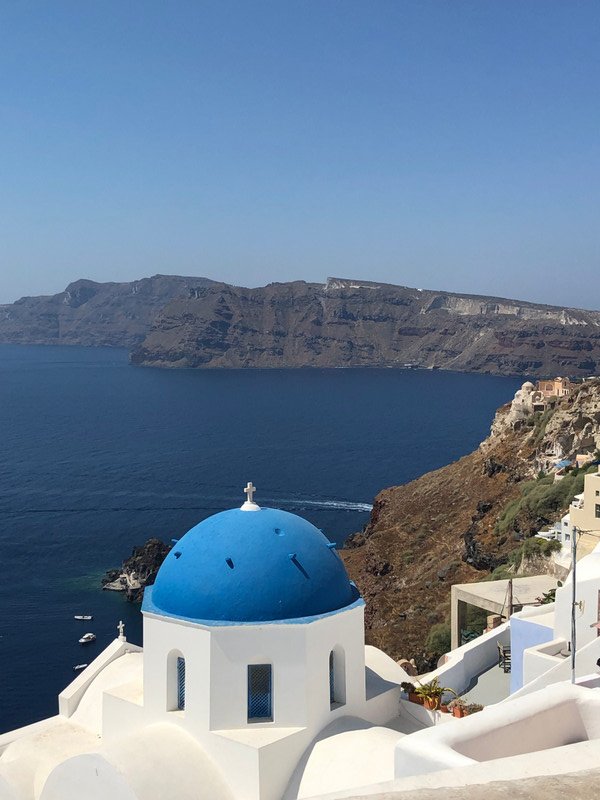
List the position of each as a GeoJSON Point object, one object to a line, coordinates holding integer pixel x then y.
{"type": "Point", "coordinates": [83, 616]}
{"type": "Point", "coordinates": [79, 667]}
{"type": "Point", "coordinates": [87, 638]}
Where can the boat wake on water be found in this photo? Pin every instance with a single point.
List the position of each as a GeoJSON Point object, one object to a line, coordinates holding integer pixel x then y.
{"type": "Point", "coordinates": [339, 505]}
{"type": "Point", "coordinates": [203, 502]}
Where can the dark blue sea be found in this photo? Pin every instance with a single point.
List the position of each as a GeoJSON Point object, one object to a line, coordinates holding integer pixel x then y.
{"type": "Point", "coordinates": [98, 455]}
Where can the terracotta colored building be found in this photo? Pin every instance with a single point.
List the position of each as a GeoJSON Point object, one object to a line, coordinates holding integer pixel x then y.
{"type": "Point", "coordinates": [557, 387]}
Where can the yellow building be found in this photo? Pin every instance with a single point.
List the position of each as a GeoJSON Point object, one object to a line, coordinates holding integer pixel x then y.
{"type": "Point", "coordinates": [584, 513]}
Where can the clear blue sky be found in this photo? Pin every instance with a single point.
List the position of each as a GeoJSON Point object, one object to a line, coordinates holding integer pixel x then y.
{"type": "Point", "coordinates": [435, 143]}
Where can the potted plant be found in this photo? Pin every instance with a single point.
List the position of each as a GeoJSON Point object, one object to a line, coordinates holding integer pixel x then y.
{"type": "Point", "coordinates": [444, 706]}
{"type": "Point", "coordinates": [473, 708]}
{"type": "Point", "coordinates": [432, 693]}
{"type": "Point", "coordinates": [410, 690]}
{"type": "Point", "coordinates": [406, 689]}
{"type": "Point", "coordinates": [458, 707]}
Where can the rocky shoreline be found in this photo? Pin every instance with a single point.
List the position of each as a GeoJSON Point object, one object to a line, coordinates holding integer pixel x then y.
{"type": "Point", "coordinates": [137, 571]}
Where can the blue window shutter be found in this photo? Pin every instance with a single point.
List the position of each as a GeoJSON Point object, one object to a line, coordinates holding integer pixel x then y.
{"type": "Point", "coordinates": [181, 683]}
{"type": "Point", "coordinates": [260, 693]}
{"type": "Point", "coordinates": [331, 679]}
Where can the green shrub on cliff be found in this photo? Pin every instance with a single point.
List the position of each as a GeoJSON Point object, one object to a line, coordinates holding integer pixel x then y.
{"type": "Point", "coordinates": [530, 547]}
{"type": "Point", "coordinates": [438, 639]}
{"type": "Point", "coordinates": [540, 502]}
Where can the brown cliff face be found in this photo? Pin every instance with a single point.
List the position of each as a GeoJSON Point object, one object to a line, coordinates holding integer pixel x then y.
{"type": "Point", "coordinates": [94, 314]}
{"type": "Point", "coordinates": [441, 529]}
{"type": "Point", "coordinates": [359, 324]}
{"type": "Point", "coordinates": [172, 321]}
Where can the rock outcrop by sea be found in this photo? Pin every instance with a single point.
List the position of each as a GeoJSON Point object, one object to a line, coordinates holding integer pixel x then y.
{"type": "Point", "coordinates": [137, 571]}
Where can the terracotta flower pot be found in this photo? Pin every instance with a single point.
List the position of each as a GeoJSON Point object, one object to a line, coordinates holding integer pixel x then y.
{"type": "Point", "coordinates": [415, 698]}
{"type": "Point", "coordinates": [459, 712]}
{"type": "Point", "coordinates": [444, 709]}
{"type": "Point", "coordinates": [431, 703]}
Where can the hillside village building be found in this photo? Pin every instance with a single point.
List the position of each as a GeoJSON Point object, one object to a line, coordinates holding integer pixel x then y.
{"type": "Point", "coordinates": [557, 387]}
{"type": "Point", "coordinates": [255, 683]}
{"type": "Point", "coordinates": [581, 522]}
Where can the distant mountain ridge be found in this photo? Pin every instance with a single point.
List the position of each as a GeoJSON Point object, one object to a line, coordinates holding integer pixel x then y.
{"type": "Point", "coordinates": [91, 313]}
{"type": "Point", "coordinates": [175, 321]}
{"type": "Point", "coordinates": [352, 323]}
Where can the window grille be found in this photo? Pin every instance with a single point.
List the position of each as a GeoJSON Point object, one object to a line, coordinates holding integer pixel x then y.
{"type": "Point", "coordinates": [260, 693]}
{"type": "Point", "coordinates": [331, 679]}
{"type": "Point", "coordinates": [181, 683]}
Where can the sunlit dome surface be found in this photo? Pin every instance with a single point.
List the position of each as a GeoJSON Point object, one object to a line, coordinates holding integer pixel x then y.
{"type": "Point", "coordinates": [251, 566]}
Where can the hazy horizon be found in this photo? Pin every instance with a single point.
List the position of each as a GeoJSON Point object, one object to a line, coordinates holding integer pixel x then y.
{"type": "Point", "coordinates": [446, 146]}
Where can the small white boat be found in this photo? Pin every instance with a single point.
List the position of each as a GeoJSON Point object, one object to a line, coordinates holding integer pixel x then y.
{"type": "Point", "coordinates": [87, 638]}
{"type": "Point", "coordinates": [79, 667]}
{"type": "Point", "coordinates": [84, 616]}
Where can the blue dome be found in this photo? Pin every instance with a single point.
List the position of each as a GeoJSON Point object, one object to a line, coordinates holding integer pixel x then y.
{"type": "Point", "coordinates": [251, 566]}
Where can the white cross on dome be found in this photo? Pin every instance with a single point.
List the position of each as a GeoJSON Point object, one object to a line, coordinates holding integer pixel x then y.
{"type": "Point", "coordinates": [250, 505]}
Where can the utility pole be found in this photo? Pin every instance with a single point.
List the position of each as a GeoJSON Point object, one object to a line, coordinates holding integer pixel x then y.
{"type": "Point", "coordinates": [574, 535]}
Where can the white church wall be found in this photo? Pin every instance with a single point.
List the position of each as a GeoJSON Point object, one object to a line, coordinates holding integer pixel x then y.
{"type": "Point", "coordinates": [120, 716]}
{"type": "Point", "coordinates": [164, 636]}
{"type": "Point", "coordinates": [69, 698]}
{"type": "Point", "coordinates": [239, 762]}
{"type": "Point", "coordinates": [258, 764]}
{"type": "Point", "coordinates": [233, 649]}
{"type": "Point", "coordinates": [344, 634]}
{"type": "Point", "coordinates": [277, 764]}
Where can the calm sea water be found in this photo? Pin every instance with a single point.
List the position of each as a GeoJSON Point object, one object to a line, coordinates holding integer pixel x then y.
{"type": "Point", "coordinates": [97, 456]}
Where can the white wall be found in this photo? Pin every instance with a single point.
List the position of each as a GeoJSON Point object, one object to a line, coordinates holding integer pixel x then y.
{"type": "Point", "coordinates": [162, 637]}
{"type": "Point", "coordinates": [257, 757]}
{"type": "Point", "coordinates": [588, 592]}
{"type": "Point", "coordinates": [473, 658]}
{"type": "Point", "coordinates": [217, 659]}
{"type": "Point", "coordinates": [585, 663]}
{"type": "Point", "coordinates": [69, 698]}
{"type": "Point", "coordinates": [537, 723]}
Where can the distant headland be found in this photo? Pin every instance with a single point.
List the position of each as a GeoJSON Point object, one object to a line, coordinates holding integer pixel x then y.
{"type": "Point", "coordinates": [175, 321]}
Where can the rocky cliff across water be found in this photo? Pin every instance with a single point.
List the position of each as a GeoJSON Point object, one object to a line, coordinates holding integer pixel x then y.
{"type": "Point", "coordinates": [93, 314]}
{"type": "Point", "coordinates": [461, 522]}
{"type": "Point", "coordinates": [171, 321]}
{"type": "Point", "coordinates": [346, 323]}
{"type": "Point", "coordinates": [138, 571]}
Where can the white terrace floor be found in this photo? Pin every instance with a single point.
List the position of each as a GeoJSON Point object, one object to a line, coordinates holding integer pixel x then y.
{"type": "Point", "coordinates": [489, 687]}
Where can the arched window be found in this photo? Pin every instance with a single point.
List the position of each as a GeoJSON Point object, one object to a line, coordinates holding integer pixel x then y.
{"type": "Point", "coordinates": [260, 693]}
{"type": "Point", "coordinates": [337, 677]}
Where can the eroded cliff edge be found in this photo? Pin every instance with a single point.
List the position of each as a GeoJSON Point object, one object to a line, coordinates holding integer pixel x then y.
{"type": "Point", "coordinates": [174, 321]}
{"type": "Point", "coordinates": [346, 323]}
{"type": "Point", "coordinates": [458, 523]}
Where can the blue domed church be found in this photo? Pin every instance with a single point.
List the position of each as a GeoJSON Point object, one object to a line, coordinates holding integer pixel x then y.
{"type": "Point", "coordinates": [253, 679]}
